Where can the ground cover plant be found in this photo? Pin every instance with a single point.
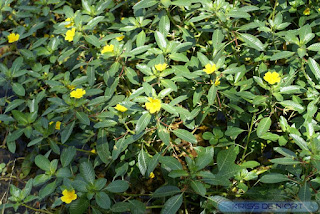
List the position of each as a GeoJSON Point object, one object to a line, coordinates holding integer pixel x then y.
{"type": "Point", "coordinates": [157, 106]}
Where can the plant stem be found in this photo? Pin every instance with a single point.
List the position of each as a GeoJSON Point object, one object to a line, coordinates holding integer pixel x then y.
{"type": "Point", "coordinates": [154, 207]}
{"type": "Point", "coordinates": [129, 130]}
{"type": "Point", "coordinates": [38, 210]}
{"type": "Point", "coordinates": [248, 137]}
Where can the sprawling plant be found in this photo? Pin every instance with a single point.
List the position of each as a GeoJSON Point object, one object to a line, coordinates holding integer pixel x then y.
{"type": "Point", "coordinates": [122, 105]}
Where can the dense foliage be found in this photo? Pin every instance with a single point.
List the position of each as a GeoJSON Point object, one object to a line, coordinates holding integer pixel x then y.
{"type": "Point", "coordinates": [158, 105]}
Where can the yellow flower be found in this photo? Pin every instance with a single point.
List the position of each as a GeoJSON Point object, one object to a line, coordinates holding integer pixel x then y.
{"type": "Point", "coordinates": [151, 175]}
{"type": "Point", "coordinates": [272, 78]}
{"type": "Point", "coordinates": [13, 37]}
{"type": "Point", "coordinates": [161, 67]}
{"type": "Point", "coordinates": [46, 35]}
{"type": "Point", "coordinates": [71, 23]}
{"type": "Point", "coordinates": [153, 105]}
{"type": "Point", "coordinates": [122, 18]}
{"type": "Point", "coordinates": [119, 38]}
{"type": "Point", "coordinates": [58, 124]}
{"type": "Point", "coordinates": [68, 196]}
{"type": "Point", "coordinates": [306, 12]}
{"type": "Point", "coordinates": [93, 151]}
{"type": "Point", "coordinates": [107, 48]}
{"type": "Point", "coordinates": [78, 93]}
{"type": "Point", "coordinates": [209, 69]}
{"type": "Point", "coordinates": [70, 34]}
{"type": "Point", "coordinates": [217, 82]}
{"type": "Point", "coordinates": [120, 108]}
{"type": "Point", "coordinates": [71, 87]}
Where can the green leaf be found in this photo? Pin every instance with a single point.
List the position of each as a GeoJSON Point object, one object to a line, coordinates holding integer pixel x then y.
{"type": "Point", "coordinates": [185, 135]}
{"type": "Point", "coordinates": [217, 38]}
{"type": "Point", "coordinates": [138, 50]}
{"type": "Point", "coordinates": [299, 141]}
{"type": "Point", "coordinates": [83, 117]}
{"type": "Point", "coordinates": [93, 22]}
{"type": "Point", "coordinates": [293, 106]}
{"type": "Point", "coordinates": [170, 162]}
{"type": "Point", "coordinates": [165, 191]}
{"type": "Point", "coordinates": [35, 141]}
{"type": "Point", "coordinates": [270, 136]}
{"type": "Point", "coordinates": [103, 200]}
{"type": "Point", "coordinates": [169, 84]}
{"type": "Point", "coordinates": [264, 126]}
{"type": "Point", "coordinates": [86, 5]}
{"type": "Point", "coordinates": [137, 207]}
{"type": "Point", "coordinates": [164, 134]}
{"type": "Point", "coordinates": [198, 187]}
{"type": "Point", "coordinates": [142, 162]}
{"type": "Point", "coordinates": [285, 161]}
{"type": "Point", "coordinates": [18, 89]}
{"type": "Point", "coordinates": [20, 117]}
{"type": "Point", "coordinates": [143, 122]}
{"type": "Point", "coordinates": [6, 118]}
{"type": "Point", "coordinates": [227, 167]}
{"type": "Point", "coordinates": [79, 206]}
{"type": "Point", "coordinates": [153, 163]}
{"type": "Point", "coordinates": [164, 25]}
{"type": "Point", "coordinates": [11, 146]}
{"type": "Point", "coordinates": [103, 146]}
{"type": "Point", "coordinates": [119, 147]}
{"type": "Point", "coordinates": [282, 55]}
{"type": "Point", "coordinates": [315, 68]}
{"type": "Point", "coordinates": [234, 70]}
{"type": "Point", "coordinates": [63, 173]}
{"type": "Point", "coordinates": [91, 75]}
{"type": "Point", "coordinates": [205, 157]}
{"type": "Point", "coordinates": [27, 189]}
{"type": "Point", "coordinates": [65, 134]}
{"type": "Point", "coordinates": [120, 207]}
{"type": "Point", "coordinates": [305, 193]}
{"type": "Point", "coordinates": [65, 55]}
{"type": "Point", "coordinates": [285, 152]}
{"type": "Point", "coordinates": [117, 186]}
{"type": "Point", "coordinates": [141, 39]}
{"type": "Point", "coordinates": [67, 155]}
{"type": "Point", "coordinates": [238, 14]}
{"type": "Point", "coordinates": [161, 40]}
{"type": "Point", "coordinates": [47, 189]}
{"type": "Point", "coordinates": [203, 59]}
{"type": "Point", "coordinates": [144, 4]}
{"type": "Point", "coordinates": [274, 178]}
{"type": "Point", "coordinates": [250, 164]}
{"type": "Point", "coordinates": [87, 172]}
{"type": "Point", "coordinates": [314, 47]}
{"type": "Point", "coordinates": [15, 135]}
{"type": "Point", "coordinates": [16, 65]}
{"type": "Point", "coordinates": [252, 41]}
{"type": "Point", "coordinates": [179, 57]}
{"type": "Point", "coordinates": [233, 132]}
{"type": "Point", "coordinates": [42, 162]}
{"type": "Point", "coordinates": [292, 89]}
{"type": "Point", "coordinates": [169, 108]}
{"type": "Point", "coordinates": [93, 40]}
{"type": "Point", "coordinates": [172, 205]}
